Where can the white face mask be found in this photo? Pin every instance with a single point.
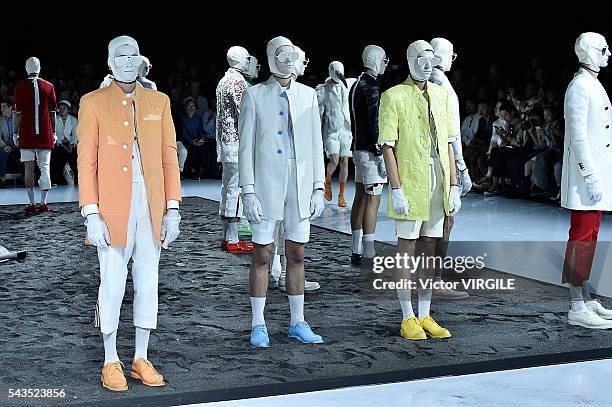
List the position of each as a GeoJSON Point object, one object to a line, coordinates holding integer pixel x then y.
{"type": "Point", "coordinates": [374, 57]}
{"type": "Point", "coordinates": [443, 49]}
{"type": "Point", "coordinates": [421, 60]}
{"type": "Point", "coordinates": [301, 63]}
{"type": "Point", "coordinates": [284, 60]}
{"type": "Point", "coordinates": [238, 58]}
{"type": "Point", "coordinates": [336, 72]}
{"type": "Point", "coordinates": [254, 67]}
{"type": "Point", "coordinates": [124, 59]}
{"type": "Point", "coordinates": [592, 49]}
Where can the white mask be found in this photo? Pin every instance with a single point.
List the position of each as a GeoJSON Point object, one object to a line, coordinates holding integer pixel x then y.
{"type": "Point", "coordinates": [124, 59]}
{"type": "Point", "coordinates": [281, 57]}
{"type": "Point", "coordinates": [254, 67]}
{"type": "Point", "coordinates": [336, 72]}
{"type": "Point", "coordinates": [443, 49]}
{"type": "Point", "coordinates": [238, 58]}
{"type": "Point", "coordinates": [374, 57]}
{"type": "Point", "coordinates": [592, 50]}
{"type": "Point", "coordinates": [301, 63]}
{"type": "Point", "coordinates": [144, 68]}
{"type": "Point", "coordinates": [32, 66]}
{"type": "Point", "coordinates": [421, 60]}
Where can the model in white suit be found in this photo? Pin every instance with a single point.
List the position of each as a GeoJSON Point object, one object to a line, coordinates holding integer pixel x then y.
{"type": "Point", "coordinates": [586, 186]}
{"type": "Point", "coordinates": [282, 179]}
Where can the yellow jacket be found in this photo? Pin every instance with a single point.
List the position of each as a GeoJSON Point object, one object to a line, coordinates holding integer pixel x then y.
{"type": "Point", "coordinates": [105, 133]}
{"type": "Point", "coordinates": [404, 119]}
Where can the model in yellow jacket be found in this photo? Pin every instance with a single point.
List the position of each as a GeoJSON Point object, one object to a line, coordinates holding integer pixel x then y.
{"type": "Point", "coordinates": [415, 120]}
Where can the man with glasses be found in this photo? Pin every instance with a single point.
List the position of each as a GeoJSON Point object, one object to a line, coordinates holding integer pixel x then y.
{"type": "Point", "coordinates": [370, 172]}
{"type": "Point", "coordinates": [443, 50]}
{"type": "Point", "coordinates": [8, 151]}
{"type": "Point", "coordinates": [415, 123]}
{"type": "Point", "coordinates": [586, 186]}
{"type": "Point", "coordinates": [229, 96]}
{"type": "Point", "coordinates": [282, 179]}
{"type": "Point", "coordinates": [129, 191]}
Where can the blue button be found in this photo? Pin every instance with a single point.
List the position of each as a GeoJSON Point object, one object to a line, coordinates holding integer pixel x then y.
{"type": "Point", "coordinates": [280, 132]}
{"type": "Point", "coordinates": [279, 151]}
{"type": "Point", "coordinates": [281, 113]}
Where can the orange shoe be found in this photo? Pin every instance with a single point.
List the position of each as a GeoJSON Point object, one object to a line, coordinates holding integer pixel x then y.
{"type": "Point", "coordinates": [341, 201]}
{"type": "Point", "coordinates": [144, 371]}
{"type": "Point", "coordinates": [113, 378]}
{"type": "Point", "coordinates": [328, 191]}
{"type": "Point", "coordinates": [239, 247]}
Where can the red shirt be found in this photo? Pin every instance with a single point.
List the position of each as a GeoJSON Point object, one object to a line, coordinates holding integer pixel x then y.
{"type": "Point", "coordinates": [24, 103]}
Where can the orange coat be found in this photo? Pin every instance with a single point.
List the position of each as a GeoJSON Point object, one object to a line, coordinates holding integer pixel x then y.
{"type": "Point", "coordinates": [105, 133]}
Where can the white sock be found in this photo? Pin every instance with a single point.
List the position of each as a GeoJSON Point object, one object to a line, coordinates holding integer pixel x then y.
{"type": "Point", "coordinates": [142, 343]}
{"type": "Point", "coordinates": [224, 225]}
{"type": "Point", "coordinates": [31, 195]}
{"type": "Point", "coordinates": [257, 308]}
{"type": "Point", "coordinates": [357, 235]}
{"type": "Point", "coordinates": [406, 303]}
{"type": "Point", "coordinates": [586, 294]}
{"type": "Point", "coordinates": [110, 347]}
{"type": "Point", "coordinates": [276, 266]}
{"type": "Point", "coordinates": [368, 246]}
{"type": "Point", "coordinates": [43, 196]}
{"type": "Point", "coordinates": [577, 300]}
{"type": "Point", "coordinates": [296, 305]}
{"type": "Point", "coordinates": [424, 302]}
{"type": "Point", "coordinates": [232, 232]}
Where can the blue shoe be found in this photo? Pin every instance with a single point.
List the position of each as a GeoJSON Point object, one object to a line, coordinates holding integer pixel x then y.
{"type": "Point", "coordinates": [259, 337]}
{"type": "Point", "coordinates": [302, 332]}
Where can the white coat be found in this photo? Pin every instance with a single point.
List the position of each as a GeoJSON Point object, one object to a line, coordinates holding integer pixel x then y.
{"type": "Point", "coordinates": [439, 78]}
{"type": "Point", "coordinates": [66, 131]}
{"type": "Point", "coordinates": [262, 158]}
{"type": "Point", "coordinates": [588, 143]}
{"type": "Point", "coordinates": [334, 108]}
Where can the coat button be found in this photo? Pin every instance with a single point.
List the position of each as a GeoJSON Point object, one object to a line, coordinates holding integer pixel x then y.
{"type": "Point", "coordinates": [281, 113]}
{"type": "Point", "coordinates": [126, 123]}
{"type": "Point", "coordinates": [125, 169]}
{"type": "Point", "coordinates": [125, 146]}
{"type": "Point", "coordinates": [606, 107]}
{"type": "Point", "coordinates": [279, 151]}
{"type": "Point", "coordinates": [124, 102]}
{"type": "Point", "coordinates": [280, 132]}
{"type": "Point", "coordinates": [607, 126]}
{"type": "Point", "coordinates": [607, 145]}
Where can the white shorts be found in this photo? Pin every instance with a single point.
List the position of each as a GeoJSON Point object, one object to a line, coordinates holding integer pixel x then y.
{"type": "Point", "coordinates": [434, 227]}
{"type": "Point", "coordinates": [366, 171]}
{"type": "Point", "coordinates": [295, 229]}
{"type": "Point", "coordinates": [38, 154]}
{"type": "Point", "coordinates": [339, 143]}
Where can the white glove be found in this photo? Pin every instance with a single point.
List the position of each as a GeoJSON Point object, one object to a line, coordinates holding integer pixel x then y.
{"type": "Point", "coordinates": [454, 200]}
{"type": "Point", "coordinates": [252, 207]}
{"type": "Point", "coordinates": [316, 204]}
{"type": "Point", "coordinates": [170, 227]}
{"type": "Point", "coordinates": [463, 177]}
{"type": "Point", "coordinates": [593, 188]}
{"type": "Point", "coordinates": [400, 204]}
{"type": "Point", "coordinates": [380, 164]}
{"type": "Point", "coordinates": [97, 231]}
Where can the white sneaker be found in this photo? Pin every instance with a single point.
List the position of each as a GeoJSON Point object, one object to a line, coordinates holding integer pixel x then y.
{"type": "Point", "coordinates": [308, 285]}
{"type": "Point", "coordinates": [599, 309]}
{"type": "Point", "coordinates": [588, 319]}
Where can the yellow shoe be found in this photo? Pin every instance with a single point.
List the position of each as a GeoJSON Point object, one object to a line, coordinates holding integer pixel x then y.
{"type": "Point", "coordinates": [433, 329]}
{"type": "Point", "coordinates": [143, 370]}
{"type": "Point", "coordinates": [328, 191]}
{"type": "Point", "coordinates": [411, 329]}
{"type": "Point", "coordinates": [341, 201]}
{"type": "Point", "coordinates": [113, 378]}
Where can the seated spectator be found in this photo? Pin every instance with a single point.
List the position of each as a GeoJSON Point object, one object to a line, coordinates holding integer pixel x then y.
{"type": "Point", "coordinates": [193, 135]}
{"type": "Point", "coordinates": [64, 155]}
{"type": "Point", "coordinates": [484, 162]}
{"type": "Point", "coordinates": [469, 126]}
{"type": "Point", "coordinates": [479, 144]}
{"type": "Point", "coordinates": [200, 101]}
{"type": "Point", "coordinates": [547, 165]}
{"type": "Point", "coordinates": [9, 153]}
{"type": "Point", "coordinates": [209, 124]}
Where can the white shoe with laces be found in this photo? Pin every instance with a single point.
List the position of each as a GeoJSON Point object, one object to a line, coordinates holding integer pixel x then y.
{"type": "Point", "coordinates": [588, 319]}
{"type": "Point", "coordinates": [600, 310]}
{"type": "Point", "coordinates": [308, 285]}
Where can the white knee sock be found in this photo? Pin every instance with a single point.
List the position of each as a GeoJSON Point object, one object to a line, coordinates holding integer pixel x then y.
{"type": "Point", "coordinates": [31, 195]}
{"type": "Point", "coordinates": [406, 303]}
{"type": "Point", "coordinates": [232, 232]}
{"type": "Point", "coordinates": [296, 305]}
{"type": "Point", "coordinates": [224, 225]}
{"type": "Point", "coordinates": [257, 309]}
{"type": "Point", "coordinates": [368, 246]}
{"type": "Point", "coordinates": [142, 343]}
{"type": "Point", "coordinates": [43, 196]}
{"type": "Point", "coordinates": [424, 302]}
{"type": "Point", "coordinates": [357, 235]}
{"type": "Point", "coordinates": [577, 300]}
{"type": "Point", "coordinates": [110, 347]}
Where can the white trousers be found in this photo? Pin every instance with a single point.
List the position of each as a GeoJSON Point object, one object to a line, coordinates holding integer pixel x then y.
{"type": "Point", "coordinates": [230, 205]}
{"type": "Point", "coordinates": [182, 155]}
{"type": "Point", "coordinates": [144, 251]}
{"type": "Point", "coordinates": [43, 159]}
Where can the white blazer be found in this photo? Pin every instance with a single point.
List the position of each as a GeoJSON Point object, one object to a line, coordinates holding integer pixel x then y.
{"type": "Point", "coordinates": [67, 131]}
{"type": "Point", "coordinates": [262, 128]}
{"type": "Point", "coordinates": [588, 143]}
